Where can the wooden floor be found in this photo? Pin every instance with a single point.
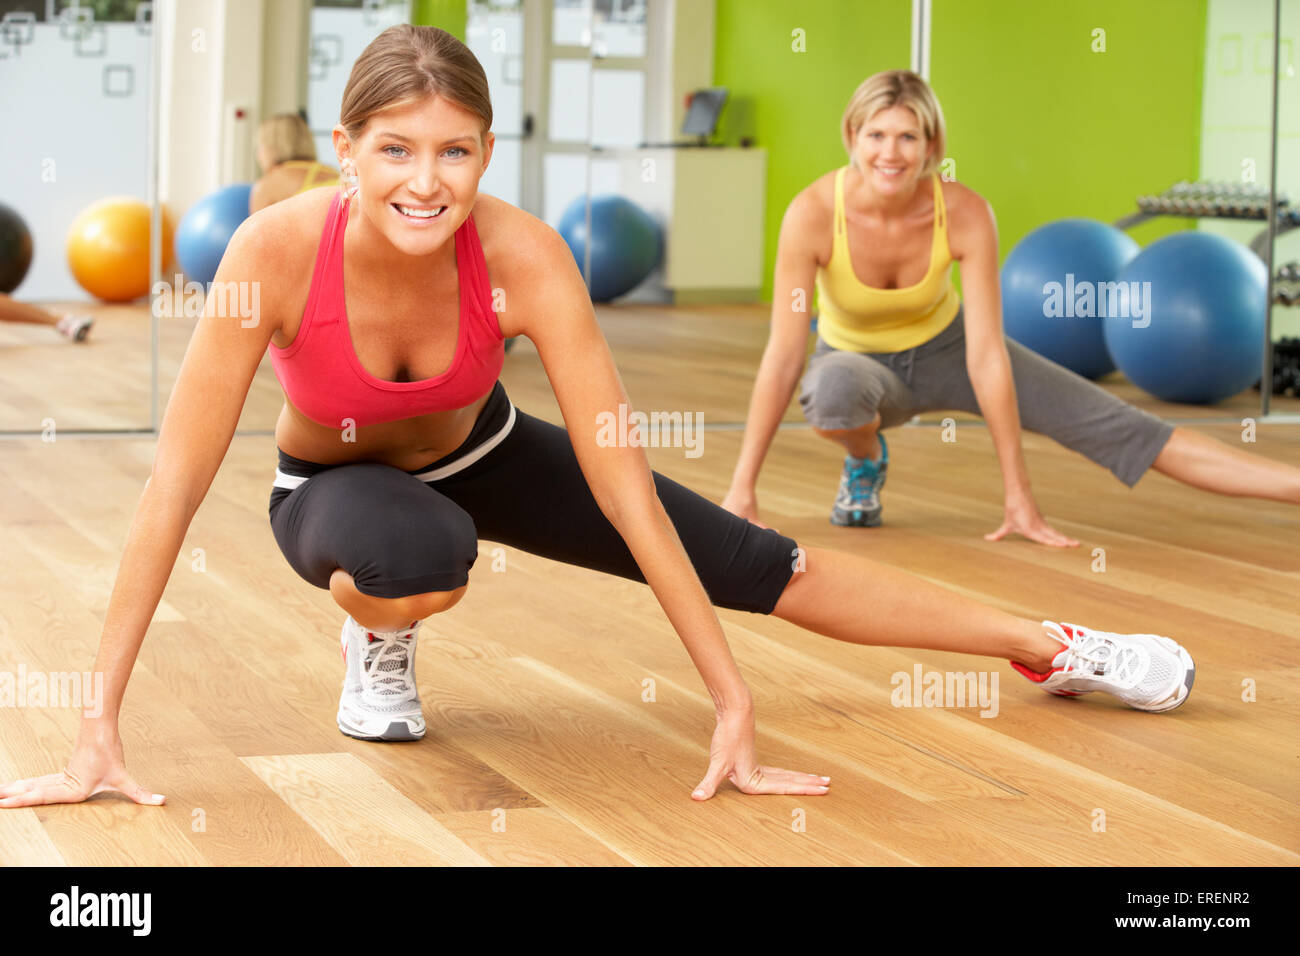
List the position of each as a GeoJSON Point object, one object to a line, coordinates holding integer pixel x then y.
{"type": "Point", "coordinates": [541, 748]}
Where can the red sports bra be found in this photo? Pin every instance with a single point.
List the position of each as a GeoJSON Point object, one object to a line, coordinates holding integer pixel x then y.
{"type": "Point", "coordinates": [324, 379]}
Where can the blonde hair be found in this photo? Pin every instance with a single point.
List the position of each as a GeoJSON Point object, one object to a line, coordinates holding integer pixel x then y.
{"type": "Point", "coordinates": [285, 137]}
{"type": "Point", "coordinates": [897, 88]}
{"type": "Point", "coordinates": [407, 62]}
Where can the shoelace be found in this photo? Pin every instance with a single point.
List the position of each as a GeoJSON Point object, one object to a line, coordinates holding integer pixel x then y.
{"type": "Point", "coordinates": [1108, 658]}
{"type": "Point", "coordinates": [388, 671]}
{"type": "Point", "coordinates": [861, 479]}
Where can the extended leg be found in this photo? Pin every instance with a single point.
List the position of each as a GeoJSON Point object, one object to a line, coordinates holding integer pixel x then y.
{"type": "Point", "coordinates": [13, 311]}
{"type": "Point", "coordinates": [861, 601]}
{"type": "Point", "coordinates": [1204, 462]}
{"type": "Point", "coordinates": [1052, 401]}
{"type": "Point", "coordinates": [747, 568]}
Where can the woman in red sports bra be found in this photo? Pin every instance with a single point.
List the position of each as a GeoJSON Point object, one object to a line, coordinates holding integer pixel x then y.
{"type": "Point", "coordinates": [398, 449]}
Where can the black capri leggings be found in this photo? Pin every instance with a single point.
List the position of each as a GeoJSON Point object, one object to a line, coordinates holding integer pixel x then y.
{"type": "Point", "coordinates": [516, 481]}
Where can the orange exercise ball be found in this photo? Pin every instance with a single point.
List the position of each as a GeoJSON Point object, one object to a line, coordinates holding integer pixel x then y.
{"type": "Point", "coordinates": [108, 248]}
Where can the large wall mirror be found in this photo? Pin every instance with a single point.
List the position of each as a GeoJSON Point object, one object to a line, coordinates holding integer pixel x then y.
{"type": "Point", "coordinates": [1284, 329]}
{"type": "Point", "coordinates": [76, 83]}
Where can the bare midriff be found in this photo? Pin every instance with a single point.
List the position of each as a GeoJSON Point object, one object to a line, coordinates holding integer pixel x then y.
{"type": "Point", "coordinates": [408, 444]}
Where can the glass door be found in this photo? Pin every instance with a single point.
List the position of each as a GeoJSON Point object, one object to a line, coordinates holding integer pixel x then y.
{"type": "Point", "coordinates": [495, 33]}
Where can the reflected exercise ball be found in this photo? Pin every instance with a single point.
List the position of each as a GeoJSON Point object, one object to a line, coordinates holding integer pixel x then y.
{"type": "Point", "coordinates": [626, 244]}
{"type": "Point", "coordinates": [108, 248]}
{"type": "Point", "coordinates": [1197, 333]}
{"type": "Point", "coordinates": [15, 249]}
{"type": "Point", "coordinates": [206, 228]}
{"type": "Point", "coordinates": [1057, 283]}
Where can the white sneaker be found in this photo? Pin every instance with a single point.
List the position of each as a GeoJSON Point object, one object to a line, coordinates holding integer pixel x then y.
{"type": "Point", "coordinates": [380, 701]}
{"type": "Point", "coordinates": [75, 328]}
{"type": "Point", "coordinates": [1145, 671]}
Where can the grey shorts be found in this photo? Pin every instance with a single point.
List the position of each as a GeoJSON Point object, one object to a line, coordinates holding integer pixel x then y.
{"type": "Point", "coordinates": [846, 389]}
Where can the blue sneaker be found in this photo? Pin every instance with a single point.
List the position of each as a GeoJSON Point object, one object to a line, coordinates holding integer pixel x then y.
{"type": "Point", "coordinates": [857, 505]}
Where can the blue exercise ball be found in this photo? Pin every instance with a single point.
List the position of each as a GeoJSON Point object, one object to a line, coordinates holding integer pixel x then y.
{"type": "Point", "coordinates": [1050, 291]}
{"type": "Point", "coordinates": [206, 229]}
{"type": "Point", "coordinates": [626, 244]}
{"type": "Point", "coordinates": [1196, 333]}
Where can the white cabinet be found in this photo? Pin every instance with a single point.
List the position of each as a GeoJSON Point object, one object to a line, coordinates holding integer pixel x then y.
{"type": "Point", "coordinates": [709, 203]}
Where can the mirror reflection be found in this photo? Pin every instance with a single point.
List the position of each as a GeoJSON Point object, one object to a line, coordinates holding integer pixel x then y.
{"type": "Point", "coordinates": [75, 216]}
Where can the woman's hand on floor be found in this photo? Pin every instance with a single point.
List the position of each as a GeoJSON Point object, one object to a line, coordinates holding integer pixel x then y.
{"type": "Point", "coordinates": [1022, 517]}
{"type": "Point", "coordinates": [731, 757]}
{"type": "Point", "coordinates": [94, 768]}
{"type": "Point", "coordinates": [744, 504]}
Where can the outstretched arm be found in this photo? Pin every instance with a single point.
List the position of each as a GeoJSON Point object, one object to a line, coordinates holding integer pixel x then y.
{"type": "Point", "coordinates": [553, 309]}
{"type": "Point", "coordinates": [975, 244]}
{"type": "Point", "coordinates": [201, 416]}
{"type": "Point", "coordinates": [783, 359]}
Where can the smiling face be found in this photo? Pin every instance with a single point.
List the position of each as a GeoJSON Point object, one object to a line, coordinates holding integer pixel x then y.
{"type": "Point", "coordinates": [418, 167]}
{"type": "Point", "coordinates": [890, 151]}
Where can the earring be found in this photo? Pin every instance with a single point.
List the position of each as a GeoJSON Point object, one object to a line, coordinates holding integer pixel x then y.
{"type": "Point", "coordinates": [350, 182]}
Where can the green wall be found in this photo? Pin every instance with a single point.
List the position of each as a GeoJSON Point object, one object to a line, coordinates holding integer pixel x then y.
{"type": "Point", "coordinates": [449, 15]}
{"type": "Point", "coordinates": [1038, 123]}
{"type": "Point", "coordinates": [1044, 127]}
{"type": "Point", "coordinates": [790, 103]}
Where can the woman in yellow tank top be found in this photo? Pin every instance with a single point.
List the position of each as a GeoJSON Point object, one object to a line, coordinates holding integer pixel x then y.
{"type": "Point", "coordinates": [287, 155]}
{"type": "Point", "coordinates": [878, 239]}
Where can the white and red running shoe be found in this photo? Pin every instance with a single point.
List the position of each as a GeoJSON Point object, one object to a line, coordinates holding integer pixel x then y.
{"type": "Point", "coordinates": [379, 700]}
{"type": "Point", "coordinates": [1146, 671]}
{"type": "Point", "coordinates": [75, 328]}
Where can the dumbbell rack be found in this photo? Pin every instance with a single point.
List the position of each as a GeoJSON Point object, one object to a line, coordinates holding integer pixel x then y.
{"type": "Point", "coordinates": [1225, 200]}
{"type": "Point", "coordinates": [1286, 285]}
{"type": "Point", "coordinates": [1286, 351]}
{"type": "Point", "coordinates": [1215, 200]}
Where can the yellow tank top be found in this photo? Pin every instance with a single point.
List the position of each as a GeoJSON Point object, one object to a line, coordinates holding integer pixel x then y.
{"type": "Point", "coordinates": [318, 174]}
{"type": "Point", "coordinates": [859, 318]}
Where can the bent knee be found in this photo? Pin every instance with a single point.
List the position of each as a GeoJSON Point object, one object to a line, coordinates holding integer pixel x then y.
{"type": "Point", "coordinates": [847, 392]}
{"type": "Point", "coordinates": [415, 606]}
{"type": "Point", "coordinates": [837, 433]}
{"type": "Point", "coordinates": [434, 602]}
